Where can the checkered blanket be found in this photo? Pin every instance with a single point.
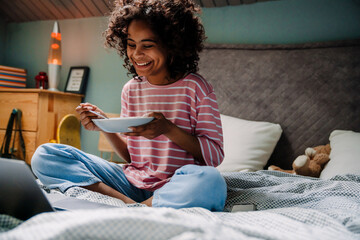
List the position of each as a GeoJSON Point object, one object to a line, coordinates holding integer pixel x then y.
{"type": "Point", "coordinates": [288, 207]}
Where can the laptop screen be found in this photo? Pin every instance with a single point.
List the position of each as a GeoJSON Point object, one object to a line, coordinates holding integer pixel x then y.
{"type": "Point", "coordinates": [21, 196]}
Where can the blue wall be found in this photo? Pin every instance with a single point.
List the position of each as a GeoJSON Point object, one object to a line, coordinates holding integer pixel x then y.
{"type": "Point", "coordinates": [285, 21]}
{"type": "Point", "coordinates": [2, 40]}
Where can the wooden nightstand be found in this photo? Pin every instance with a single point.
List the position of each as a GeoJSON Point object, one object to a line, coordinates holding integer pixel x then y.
{"type": "Point", "coordinates": [42, 110]}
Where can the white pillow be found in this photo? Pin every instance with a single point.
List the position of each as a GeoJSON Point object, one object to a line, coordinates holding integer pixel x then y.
{"type": "Point", "coordinates": [344, 155]}
{"type": "Point", "coordinates": [247, 144]}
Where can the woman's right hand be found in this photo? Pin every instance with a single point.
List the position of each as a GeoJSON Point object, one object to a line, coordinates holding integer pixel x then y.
{"type": "Point", "coordinates": [86, 117]}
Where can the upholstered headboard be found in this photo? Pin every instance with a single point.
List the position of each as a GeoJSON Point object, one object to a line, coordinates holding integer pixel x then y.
{"type": "Point", "coordinates": [309, 89]}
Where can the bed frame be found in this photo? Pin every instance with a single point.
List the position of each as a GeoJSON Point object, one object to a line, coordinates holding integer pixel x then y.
{"type": "Point", "coordinates": [309, 89]}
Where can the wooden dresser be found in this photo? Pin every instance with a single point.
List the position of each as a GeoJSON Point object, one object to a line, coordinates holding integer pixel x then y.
{"type": "Point", "coordinates": [42, 110]}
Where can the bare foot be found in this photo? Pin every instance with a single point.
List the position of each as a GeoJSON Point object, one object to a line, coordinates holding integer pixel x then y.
{"type": "Point", "coordinates": [101, 187]}
{"type": "Point", "coordinates": [148, 202]}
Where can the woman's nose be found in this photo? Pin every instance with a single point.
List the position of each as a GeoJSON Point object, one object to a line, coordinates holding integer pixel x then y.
{"type": "Point", "coordinates": [138, 52]}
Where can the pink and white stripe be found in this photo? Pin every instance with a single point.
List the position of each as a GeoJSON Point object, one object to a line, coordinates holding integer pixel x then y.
{"type": "Point", "coordinates": [190, 103]}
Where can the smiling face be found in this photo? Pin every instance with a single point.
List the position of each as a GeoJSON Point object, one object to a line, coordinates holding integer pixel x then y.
{"type": "Point", "coordinates": [146, 53]}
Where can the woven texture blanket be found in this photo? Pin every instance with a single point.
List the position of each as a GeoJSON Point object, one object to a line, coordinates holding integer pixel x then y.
{"type": "Point", "coordinates": [288, 207]}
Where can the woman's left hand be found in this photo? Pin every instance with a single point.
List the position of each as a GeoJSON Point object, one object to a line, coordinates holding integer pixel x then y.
{"type": "Point", "coordinates": [160, 125]}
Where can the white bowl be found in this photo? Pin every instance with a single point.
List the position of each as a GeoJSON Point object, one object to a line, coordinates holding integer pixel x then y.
{"type": "Point", "coordinates": [119, 125]}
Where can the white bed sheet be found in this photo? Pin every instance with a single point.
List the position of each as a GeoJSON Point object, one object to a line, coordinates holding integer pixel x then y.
{"type": "Point", "coordinates": [289, 207]}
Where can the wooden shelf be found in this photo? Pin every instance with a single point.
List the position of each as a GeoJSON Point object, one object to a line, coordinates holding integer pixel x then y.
{"type": "Point", "coordinates": [36, 90]}
{"type": "Point", "coordinates": [42, 111]}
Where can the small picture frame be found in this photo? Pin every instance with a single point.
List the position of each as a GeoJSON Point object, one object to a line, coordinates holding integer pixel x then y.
{"type": "Point", "coordinates": [77, 80]}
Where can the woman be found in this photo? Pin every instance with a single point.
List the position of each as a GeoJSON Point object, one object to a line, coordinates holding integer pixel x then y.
{"type": "Point", "coordinates": [171, 159]}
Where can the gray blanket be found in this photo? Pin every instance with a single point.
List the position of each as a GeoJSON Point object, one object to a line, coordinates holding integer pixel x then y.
{"type": "Point", "coordinates": [288, 207]}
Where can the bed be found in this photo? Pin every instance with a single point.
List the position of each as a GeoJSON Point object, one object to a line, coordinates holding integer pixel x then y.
{"type": "Point", "coordinates": [275, 101]}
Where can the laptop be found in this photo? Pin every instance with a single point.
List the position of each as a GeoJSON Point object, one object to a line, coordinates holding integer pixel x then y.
{"type": "Point", "coordinates": [22, 197]}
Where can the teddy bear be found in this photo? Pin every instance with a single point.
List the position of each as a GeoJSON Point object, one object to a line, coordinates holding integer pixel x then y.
{"type": "Point", "coordinates": [311, 164]}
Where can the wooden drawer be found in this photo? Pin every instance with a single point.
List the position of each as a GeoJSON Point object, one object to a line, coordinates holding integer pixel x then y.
{"type": "Point", "coordinates": [30, 143]}
{"type": "Point", "coordinates": [27, 103]}
{"type": "Point", "coordinates": [42, 112]}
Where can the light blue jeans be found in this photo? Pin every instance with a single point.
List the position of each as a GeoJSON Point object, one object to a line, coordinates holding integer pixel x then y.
{"type": "Point", "coordinates": [62, 166]}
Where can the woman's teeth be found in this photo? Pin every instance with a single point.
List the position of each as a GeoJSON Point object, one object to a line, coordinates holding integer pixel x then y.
{"type": "Point", "coordinates": [142, 64]}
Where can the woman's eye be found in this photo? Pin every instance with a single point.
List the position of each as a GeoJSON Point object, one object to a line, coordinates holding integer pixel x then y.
{"type": "Point", "coordinates": [148, 46]}
{"type": "Point", "coordinates": [131, 45]}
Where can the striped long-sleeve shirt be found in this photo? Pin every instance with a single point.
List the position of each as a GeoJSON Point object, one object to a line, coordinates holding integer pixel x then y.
{"type": "Point", "coordinates": [190, 103]}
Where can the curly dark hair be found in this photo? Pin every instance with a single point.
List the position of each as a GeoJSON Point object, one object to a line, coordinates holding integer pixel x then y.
{"type": "Point", "coordinates": [175, 22]}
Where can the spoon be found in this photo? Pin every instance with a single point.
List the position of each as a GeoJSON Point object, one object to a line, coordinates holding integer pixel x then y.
{"type": "Point", "coordinates": [98, 114]}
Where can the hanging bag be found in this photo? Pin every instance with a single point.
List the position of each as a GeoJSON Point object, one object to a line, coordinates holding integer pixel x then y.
{"type": "Point", "coordinates": [6, 150]}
